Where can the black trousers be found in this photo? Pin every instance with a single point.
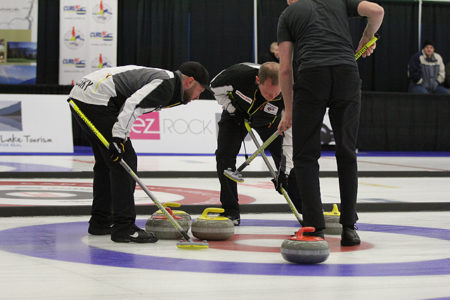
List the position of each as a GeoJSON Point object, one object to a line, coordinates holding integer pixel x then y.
{"type": "Point", "coordinates": [339, 88]}
{"type": "Point", "coordinates": [231, 134]}
{"type": "Point", "coordinates": [113, 187]}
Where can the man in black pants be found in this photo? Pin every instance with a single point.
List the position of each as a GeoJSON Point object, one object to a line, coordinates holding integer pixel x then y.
{"type": "Point", "coordinates": [112, 99]}
{"type": "Point", "coordinates": [248, 92]}
{"type": "Point", "coordinates": [315, 43]}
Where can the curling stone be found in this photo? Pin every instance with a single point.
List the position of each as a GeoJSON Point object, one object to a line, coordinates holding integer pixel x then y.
{"type": "Point", "coordinates": [178, 213]}
{"type": "Point", "coordinates": [215, 228]}
{"type": "Point", "coordinates": [302, 249]}
{"type": "Point", "coordinates": [163, 228]}
{"type": "Point", "coordinates": [332, 225]}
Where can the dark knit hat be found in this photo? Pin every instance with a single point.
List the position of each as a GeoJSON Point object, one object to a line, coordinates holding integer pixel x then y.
{"type": "Point", "coordinates": [426, 43]}
{"type": "Point", "coordinates": [196, 70]}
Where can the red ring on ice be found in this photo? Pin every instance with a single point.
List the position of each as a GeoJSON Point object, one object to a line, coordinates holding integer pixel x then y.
{"type": "Point", "coordinates": [234, 245]}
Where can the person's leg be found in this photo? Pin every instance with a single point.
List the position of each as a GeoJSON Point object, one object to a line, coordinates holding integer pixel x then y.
{"type": "Point", "coordinates": [417, 89]}
{"type": "Point", "coordinates": [231, 134]}
{"type": "Point", "coordinates": [311, 93]}
{"type": "Point", "coordinates": [441, 90]}
{"type": "Point", "coordinates": [101, 211]}
{"type": "Point", "coordinates": [123, 187]}
{"type": "Point", "coordinates": [122, 194]}
{"type": "Point", "coordinates": [344, 117]}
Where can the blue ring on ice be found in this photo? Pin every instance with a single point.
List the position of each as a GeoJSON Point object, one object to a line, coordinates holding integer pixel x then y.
{"type": "Point", "coordinates": [27, 167]}
{"type": "Point", "coordinates": [62, 241]}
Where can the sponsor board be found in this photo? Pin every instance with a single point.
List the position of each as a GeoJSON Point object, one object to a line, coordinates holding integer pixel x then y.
{"type": "Point", "coordinates": [185, 129]}
{"type": "Point", "coordinates": [189, 129]}
{"type": "Point", "coordinates": [88, 31]}
{"type": "Point", "coordinates": [35, 123]}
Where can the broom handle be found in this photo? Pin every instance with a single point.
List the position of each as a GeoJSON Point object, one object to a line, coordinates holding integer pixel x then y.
{"type": "Point", "coordinates": [128, 170]}
{"type": "Point", "coordinates": [258, 151]}
{"type": "Point", "coordinates": [369, 43]}
{"type": "Point", "coordinates": [272, 171]}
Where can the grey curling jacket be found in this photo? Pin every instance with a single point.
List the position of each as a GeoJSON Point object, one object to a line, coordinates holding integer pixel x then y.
{"type": "Point", "coordinates": [130, 91]}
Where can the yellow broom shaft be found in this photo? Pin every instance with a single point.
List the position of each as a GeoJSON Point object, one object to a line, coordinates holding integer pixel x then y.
{"type": "Point", "coordinates": [129, 170]}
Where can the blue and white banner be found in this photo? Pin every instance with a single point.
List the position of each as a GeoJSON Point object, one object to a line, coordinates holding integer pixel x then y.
{"type": "Point", "coordinates": [35, 124]}
{"type": "Point", "coordinates": [88, 37]}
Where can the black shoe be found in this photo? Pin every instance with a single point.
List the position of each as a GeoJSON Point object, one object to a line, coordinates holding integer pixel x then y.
{"type": "Point", "coordinates": [98, 229]}
{"type": "Point", "coordinates": [318, 233]}
{"type": "Point", "coordinates": [133, 234]}
{"type": "Point", "coordinates": [234, 217]}
{"type": "Point", "coordinates": [349, 236]}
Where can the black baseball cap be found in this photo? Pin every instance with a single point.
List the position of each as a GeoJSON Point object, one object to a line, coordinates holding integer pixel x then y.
{"type": "Point", "coordinates": [426, 43]}
{"type": "Point", "coordinates": [196, 70]}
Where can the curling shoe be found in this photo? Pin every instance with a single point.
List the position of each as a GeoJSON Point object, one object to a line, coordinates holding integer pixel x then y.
{"type": "Point", "coordinates": [349, 236]}
{"type": "Point", "coordinates": [133, 234]}
{"type": "Point", "coordinates": [234, 217]}
{"type": "Point", "coordinates": [99, 229]}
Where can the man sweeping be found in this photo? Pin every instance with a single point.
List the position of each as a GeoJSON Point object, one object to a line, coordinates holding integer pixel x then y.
{"type": "Point", "coordinates": [112, 99]}
{"type": "Point", "coordinates": [250, 92]}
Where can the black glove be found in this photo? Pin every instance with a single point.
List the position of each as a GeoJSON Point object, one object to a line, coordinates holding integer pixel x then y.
{"type": "Point", "coordinates": [280, 182]}
{"type": "Point", "coordinates": [116, 149]}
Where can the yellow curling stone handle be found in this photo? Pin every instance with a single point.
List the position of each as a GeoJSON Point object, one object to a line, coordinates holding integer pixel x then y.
{"type": "Point", "coordinates": [333, 212]}
{"type": "Point", "coordinates": [215, 210]}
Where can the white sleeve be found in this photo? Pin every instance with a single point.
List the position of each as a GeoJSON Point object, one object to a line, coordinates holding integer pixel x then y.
{"type": "Point", "coordinates": [287, 152]}
{"type": "Point", "coordinates": [221, 95]}
{"type": "Point", "coordinates": [441, 74]}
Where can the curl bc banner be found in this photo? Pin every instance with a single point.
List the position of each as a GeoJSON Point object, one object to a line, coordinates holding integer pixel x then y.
{"type": "Point", "coordinates": [88, 37]}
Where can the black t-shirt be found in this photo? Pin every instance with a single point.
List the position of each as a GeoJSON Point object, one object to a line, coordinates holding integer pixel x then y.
{"type": "Point", "coordinates": [319, 31]}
